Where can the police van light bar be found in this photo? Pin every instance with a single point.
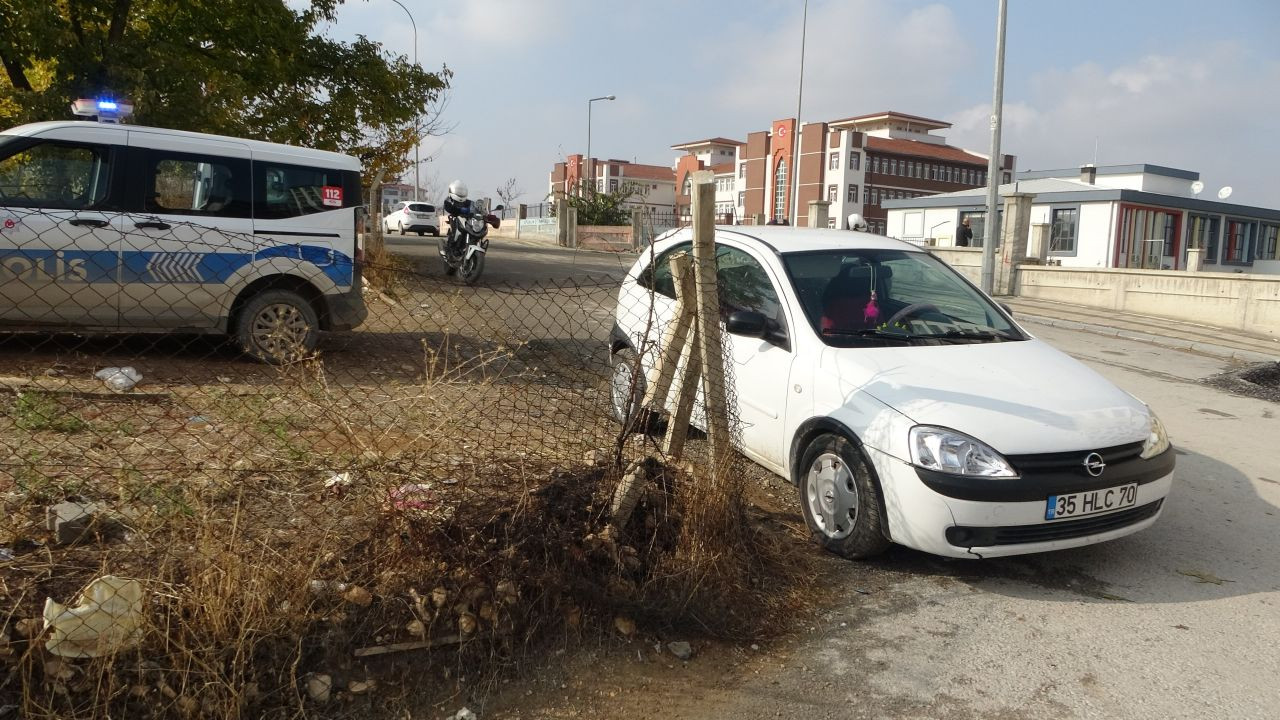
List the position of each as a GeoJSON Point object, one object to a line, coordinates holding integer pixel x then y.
{"type": "Point", "coordinates": [106, 111]}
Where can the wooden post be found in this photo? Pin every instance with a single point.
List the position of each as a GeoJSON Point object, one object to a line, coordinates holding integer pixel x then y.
{"type": "Point", "coordinates": [691, 369]}
{"type": "Point", "coordinates": [710, 341]}
{"type": "Point", "coordinates": [676, 335]}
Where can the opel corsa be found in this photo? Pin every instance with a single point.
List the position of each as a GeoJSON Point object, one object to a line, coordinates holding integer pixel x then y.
{"type": "Point", "coordinates": [904, 404]}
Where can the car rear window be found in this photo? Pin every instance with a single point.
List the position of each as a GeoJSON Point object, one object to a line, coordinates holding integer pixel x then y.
{"type": "Point", "coordinates": [422, 208]}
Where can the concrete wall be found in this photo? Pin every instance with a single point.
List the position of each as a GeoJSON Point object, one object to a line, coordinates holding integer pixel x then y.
{"type": "Point", "coordinates": [966, 260]}
{"type": "Point", "coordinates": [1243, 302]}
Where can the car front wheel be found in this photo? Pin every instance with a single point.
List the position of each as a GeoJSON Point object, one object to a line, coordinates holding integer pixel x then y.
{"type": "Point", "coordinates": [840, 499]}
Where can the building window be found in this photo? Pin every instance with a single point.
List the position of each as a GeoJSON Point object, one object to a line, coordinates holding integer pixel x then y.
{"type": "Point", "coordinates": [1062, 233]}
{"type": "Point", "coordinates": [1143, 236]}
{"type": "Point", "coordinates": [915, 169]}
{"type": "Point", "coordinates": [1238, 248]}
{"type": "Point", "coordinates": [853, 193]}
{"type": "Point", "coordinates": [893, 166]}
{"type": "Point", "coordinates": [866, 195]}
{"type": "Point", "coordinates": [613, 185]}
{"type": "Point", "coordinates": [780, 190]}
{"type": "Point", "coordinates": [833, 161]}
{"type": "Point", "coordinates": [687, 188]}
{"type": "Point", "coordinates": [1203, 233]}
{"type": "Point", "coordinates": [1267, 242]}
{"type": "Point", "coordinates": [741, 197]}
{"type": "Point", "coordinates": [742, 170]}
{"type": "Point", "coordinates": [1006, 179]}
{"type": "Point", "coordinates": [855, 160]}
{"type": "Point", "coordinates": [833, 193]}
{"type": "Point", "coordinates": [947, 174]}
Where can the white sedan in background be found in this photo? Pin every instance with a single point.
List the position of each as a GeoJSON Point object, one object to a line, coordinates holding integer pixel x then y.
{"type": "Point", "coordinates": [905, 404]}
{"type": "Point", "coordinates": [412, 216]}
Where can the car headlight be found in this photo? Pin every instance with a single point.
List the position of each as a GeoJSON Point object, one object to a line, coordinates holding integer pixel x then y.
{"type": "Point", "coordinates": [948, 451]}
{"type": "Point", "coordinates": [1157, 440]}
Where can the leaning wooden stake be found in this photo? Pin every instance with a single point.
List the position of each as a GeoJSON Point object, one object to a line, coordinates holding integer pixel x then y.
{"type": "Point", "coordinates": [676, 336]}
{"type": "Point", "coordinates": [710, 341]}
{"type": "Point", "coordinates": [690, 363]}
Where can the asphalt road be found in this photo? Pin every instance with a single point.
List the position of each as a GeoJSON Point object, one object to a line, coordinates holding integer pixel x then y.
{"type": "Point", "coordinates": [1179, 621]}
{"type": "Point", "coordinates": [520, 262]}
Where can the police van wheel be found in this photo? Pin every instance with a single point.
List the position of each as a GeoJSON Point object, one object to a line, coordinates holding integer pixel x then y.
{"type": "Point", "coordinates": [277, 327]}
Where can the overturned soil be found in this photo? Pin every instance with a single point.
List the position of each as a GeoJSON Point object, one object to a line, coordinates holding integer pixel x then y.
{"type": "Point", "coordinates": [1258, 381]}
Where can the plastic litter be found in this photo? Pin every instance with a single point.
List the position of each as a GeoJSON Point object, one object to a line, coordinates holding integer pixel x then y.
{"type": "Point", "coordinates": [119, 379]}
{"type": "Point", "coordinates": [6, 554]}
{"type": "Point", "coordinates": [107, 618]}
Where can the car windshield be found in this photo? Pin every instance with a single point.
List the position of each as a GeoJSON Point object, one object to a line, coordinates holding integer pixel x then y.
{"type": "Point", "coordinates": [420, 207]}
{"type": "Point", "coordinates": [892, 297]}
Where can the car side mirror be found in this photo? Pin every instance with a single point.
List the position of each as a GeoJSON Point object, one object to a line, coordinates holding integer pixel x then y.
{"type": "Point", "coordinates": [500, 208]}
{"type": "Point", "coordinates": [1007, 308]}
{"type": "Point", "coordinates": [746, 323]}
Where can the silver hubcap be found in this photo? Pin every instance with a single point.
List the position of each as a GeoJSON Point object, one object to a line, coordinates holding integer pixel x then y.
{"type": "Point", "coordinates": [621, 387]}
{"type": "Point", "coordinates": [832, 495]}
{"type": "Point", "coordinates": [281, 331]}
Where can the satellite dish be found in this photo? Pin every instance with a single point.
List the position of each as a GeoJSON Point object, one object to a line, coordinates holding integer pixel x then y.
{"type": "Point", "coordinates": [1197, 187]}
{"type": "Point", "coordinates": [1224, 193]}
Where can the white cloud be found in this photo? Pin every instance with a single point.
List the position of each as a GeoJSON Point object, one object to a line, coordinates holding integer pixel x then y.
{"type": "Point", "coordinates": [1213, 113]}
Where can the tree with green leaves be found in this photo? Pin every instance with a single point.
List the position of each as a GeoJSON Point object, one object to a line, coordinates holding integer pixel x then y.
{"type": "Point", "coordinates": [248, 68]}
{"type": "Point", "coordinates": [596, 207]}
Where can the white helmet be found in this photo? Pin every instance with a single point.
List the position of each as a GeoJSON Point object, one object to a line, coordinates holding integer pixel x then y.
{"type": "Point", "coordinates": [856, 222]}
{"type": "Point", "coordinates": [458, 190]}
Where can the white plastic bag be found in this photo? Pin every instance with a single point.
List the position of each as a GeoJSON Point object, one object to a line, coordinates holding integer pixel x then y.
{"type": "Point", "coordinates": [108, 617]}
{"type": "Point", "coordinates": [119, 379]}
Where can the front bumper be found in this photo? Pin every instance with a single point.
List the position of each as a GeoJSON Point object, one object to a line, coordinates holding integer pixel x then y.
{"type": "Point", "coordinates": [925, 519]}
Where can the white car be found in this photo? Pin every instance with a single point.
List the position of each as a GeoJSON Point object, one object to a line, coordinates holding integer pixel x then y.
{"type": "Point", "coordinates": [412, 216]}
{"type": "Point", "coordinates": [905, 404]}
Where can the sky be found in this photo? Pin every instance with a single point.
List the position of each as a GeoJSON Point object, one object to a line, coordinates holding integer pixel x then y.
{"type": "Point", "coordinates": [1191, 85]}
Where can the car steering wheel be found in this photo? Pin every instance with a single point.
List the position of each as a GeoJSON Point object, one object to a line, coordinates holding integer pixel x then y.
{"type": "Point", "coordinates": [910, 310]}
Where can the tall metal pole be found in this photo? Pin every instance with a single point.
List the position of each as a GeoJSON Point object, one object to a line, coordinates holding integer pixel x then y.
{"type": "Point", "coordinates": [795, 170]}
{"type": "Point", "coordinates": [417, 163]}
{"type": "Point", "coordinates": [587, 164]}
{"type": "Point", "coordinates": [991, 230]}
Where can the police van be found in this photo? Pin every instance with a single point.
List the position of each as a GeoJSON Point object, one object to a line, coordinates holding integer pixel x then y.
{"type": "Point", "coordinates": [122, 228]}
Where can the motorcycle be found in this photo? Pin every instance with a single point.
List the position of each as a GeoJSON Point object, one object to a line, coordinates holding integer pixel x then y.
{"type": "Point", "coordinates": [463, 248]}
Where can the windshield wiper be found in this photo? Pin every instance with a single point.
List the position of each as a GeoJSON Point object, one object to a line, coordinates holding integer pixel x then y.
{"type": "Point", "coordinates": [968, 335]}
{"type": "Point", "coordinates": [876, 333]}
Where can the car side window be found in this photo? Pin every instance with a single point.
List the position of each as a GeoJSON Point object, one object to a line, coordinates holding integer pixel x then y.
{"type": "Point", "coordinates": [182, 184]}
{"type": "Point", "coordinates": [59, 176]}
{"type": "Point", "coordinates": [657, 276]}
{"type": "Point", "coordinates": [293, 191]}
{"type": "Point", "coordinates": [744, 285]}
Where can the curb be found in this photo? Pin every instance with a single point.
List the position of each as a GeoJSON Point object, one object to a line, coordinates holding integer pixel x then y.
{"type": "Point", "coordinates": [1221, 351]}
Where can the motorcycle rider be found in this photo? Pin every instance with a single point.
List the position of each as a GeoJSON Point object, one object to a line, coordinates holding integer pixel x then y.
{"type": "Point", "coordinates": [456, 204]}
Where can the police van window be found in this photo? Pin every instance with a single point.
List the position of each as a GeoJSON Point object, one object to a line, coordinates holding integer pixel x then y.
{"type": "Point", "coordinates": [292, 191]}
{"type": "Point", "coordinates": [54, 176]}
{"type": "Point", "coordinates": [196, 185]}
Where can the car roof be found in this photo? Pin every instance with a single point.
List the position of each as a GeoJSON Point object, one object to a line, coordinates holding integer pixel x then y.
{"type": "Point", "coordinates": [300, 154]}
{"type": "Point", "coordinates": [785, 239]}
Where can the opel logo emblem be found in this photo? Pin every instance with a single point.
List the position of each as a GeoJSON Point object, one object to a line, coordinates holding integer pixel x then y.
{"type": "Point", "coordinates": [1094, 464]}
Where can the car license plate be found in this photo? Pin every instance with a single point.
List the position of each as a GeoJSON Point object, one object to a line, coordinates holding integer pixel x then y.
{"type": "Point", "coordinates": [1091, 502]}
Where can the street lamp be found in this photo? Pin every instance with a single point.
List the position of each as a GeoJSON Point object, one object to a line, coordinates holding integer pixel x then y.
{"type": "Point", "coordinates": [588, 164]}
{"type": "Point", "coordinates": [417, 182]}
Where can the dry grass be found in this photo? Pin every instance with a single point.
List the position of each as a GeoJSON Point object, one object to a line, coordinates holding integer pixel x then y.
{"type": "Point", "coordinates": [260, 575]}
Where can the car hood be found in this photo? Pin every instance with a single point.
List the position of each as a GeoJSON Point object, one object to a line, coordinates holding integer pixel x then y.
{"type": "Point", "coordinates": [1019, 397]}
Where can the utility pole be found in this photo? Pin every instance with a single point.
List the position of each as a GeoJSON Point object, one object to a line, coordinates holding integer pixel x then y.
{"type": "Point", "coordinates": [587, 164]}
{"type": "Point", "coordinates": [417, 163]}
{"type": "Point", "coordinates": [991, 231]}
{"type": "Point", "coordinates": [795, 169]}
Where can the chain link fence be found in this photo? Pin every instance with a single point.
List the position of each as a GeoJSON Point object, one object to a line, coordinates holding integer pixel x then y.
{"type": "Point", "coordinates": [187, 530]}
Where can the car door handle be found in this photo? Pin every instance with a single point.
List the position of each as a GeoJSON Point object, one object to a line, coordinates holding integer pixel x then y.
{"type": "Point", "coordinates": [88, 222]}
{"type": "Point", "coordinates": [153, 224]}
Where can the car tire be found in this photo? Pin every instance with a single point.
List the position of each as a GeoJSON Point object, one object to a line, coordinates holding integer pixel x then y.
{"type": "Point", "coordinates": [840, 498]}
{"type": "Point", "coordinates": [401, 229]}
{"type": "Point", "coordinates": [277, 327]}
{"type": "Point", "coordinates": [421, 233]}
{"type": "Point", "coordinates": [627, 377]}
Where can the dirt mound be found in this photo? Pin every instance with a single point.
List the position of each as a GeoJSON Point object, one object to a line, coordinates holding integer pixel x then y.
{"type": "Point", "coordinates": [1258, 381]}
